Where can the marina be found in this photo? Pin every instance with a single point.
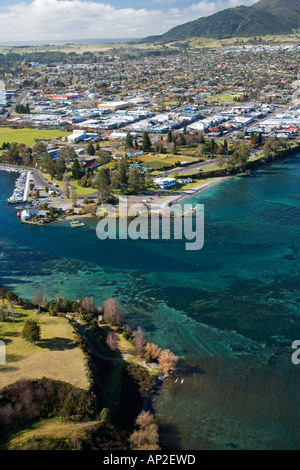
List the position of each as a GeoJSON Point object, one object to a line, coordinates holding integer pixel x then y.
{"type": "Point", "coordinates": [20, 193]}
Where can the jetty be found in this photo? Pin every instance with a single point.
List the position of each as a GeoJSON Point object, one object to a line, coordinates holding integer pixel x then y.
{"type": "Point", "coordinates": [26, 189]}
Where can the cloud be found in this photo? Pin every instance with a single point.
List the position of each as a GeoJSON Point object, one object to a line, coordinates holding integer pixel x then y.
{"type": "Point", "coordinates": [70, 19]}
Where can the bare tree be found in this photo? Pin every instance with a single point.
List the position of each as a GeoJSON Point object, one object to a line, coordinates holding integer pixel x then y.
{"type": "Point", "coordinates": [112, 340]}
{"type": "Point", "coordinates": [112, 312]}
{"type": "Point", "coordinates": [39, 299]}
{"type": "Point", "coordinates": [73, 195]}
{"type": "Point", "coordinates": [139, 340]}
{"type": "Point", "coordinates": [167, 361]}
{"type": "Point", "coordinates": [151, 352]}
{"type": "Point", "coordinates": [88, 305]}
{"type": "Point", "coordinates": [12, 299]}
{"type": "Point", "coordinates": [146, 437]}
{"type": "Point", "coordinates": [66, 188]}
{"type": "Point", "coordinates": [144, 419]}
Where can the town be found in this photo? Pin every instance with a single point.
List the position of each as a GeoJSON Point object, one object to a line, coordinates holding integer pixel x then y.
{"type": "Point", "coordinates": [151, 122]}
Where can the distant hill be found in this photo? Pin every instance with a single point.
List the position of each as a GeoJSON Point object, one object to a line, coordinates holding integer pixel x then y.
{"type": "Point", "coordinates": [289, 10]}
{"type": "Point", "coordinates": [264, 17]}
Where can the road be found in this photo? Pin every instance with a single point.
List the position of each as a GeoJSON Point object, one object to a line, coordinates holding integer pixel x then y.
{"type": "Point", "coordinates": [13, 107]}
{"type": "Point", "coordinates": [190, 168]}
{"type": "Point", "coordinates": [39, 179]}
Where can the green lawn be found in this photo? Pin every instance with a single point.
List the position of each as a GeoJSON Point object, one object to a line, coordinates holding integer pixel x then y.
{"type": "Point", "coordinates": [224, 98]}
{"type": "Point", "coordinates": [56, 356]}
{"type": "Point", "coordinates": [82, 191]}
{"type": "Point", "coordinates": [27, 136]}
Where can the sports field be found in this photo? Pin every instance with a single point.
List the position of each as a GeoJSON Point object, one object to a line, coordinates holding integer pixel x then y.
{"type": "Point", "coordinates": [27, 136]}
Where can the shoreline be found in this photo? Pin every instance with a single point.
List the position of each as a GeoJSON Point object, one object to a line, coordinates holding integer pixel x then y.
{"type": "Point", "coordinates": [159, 202]}
{"type": "Point", "coordinates": [169, 200]}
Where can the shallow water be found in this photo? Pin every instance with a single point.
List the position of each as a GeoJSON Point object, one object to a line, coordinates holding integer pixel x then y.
{"type": "Point", "coordinates": [230, 311]}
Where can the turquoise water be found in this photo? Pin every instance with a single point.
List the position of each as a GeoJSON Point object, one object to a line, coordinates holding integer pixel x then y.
{"type": "Point", "coordinates": [230, 311]}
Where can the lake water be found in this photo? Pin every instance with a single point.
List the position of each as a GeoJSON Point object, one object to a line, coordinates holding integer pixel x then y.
{"type": "Point", "coordinates": [230, 311]}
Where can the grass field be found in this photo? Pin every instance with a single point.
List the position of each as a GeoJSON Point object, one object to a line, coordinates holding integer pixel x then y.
{"type": "Point", "coordinates": [78, 48]}
{"type": "Point", "coordinates": [54, 428]}
{"type": "Point", "coordinates": [27, 136]}
{"type": "Point", "coordinates": [210, 42]}
{"type": "Point", "coordinates": [223, 98]}
{"type": "Point", "coordinates": [196, 42]}
{"type": "Point", "coordinates": [79, 189]}
{"type": "Point", "coordinates": [55, 356]}
{"type": "Point", "coordinates": [83, 191]}
{"type": "Point", "coordinates": [198, 182]}
{"type": "Point", "coordinates": [163, 160]}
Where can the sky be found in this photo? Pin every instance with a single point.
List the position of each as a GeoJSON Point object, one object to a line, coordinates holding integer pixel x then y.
{"type": "Point", "coordinates": [46, 20]}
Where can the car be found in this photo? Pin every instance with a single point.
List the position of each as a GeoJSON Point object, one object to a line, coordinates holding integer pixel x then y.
{"type": "Point", "coordinates": [200, 169]}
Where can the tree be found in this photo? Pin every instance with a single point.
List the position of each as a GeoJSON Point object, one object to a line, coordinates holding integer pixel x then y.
{"type": "Point", "coordinates": [2, 294]}
{"type": "Point", "coordinates": [139, 340]}
{"type": "Point", "coordinates": [105, 415]}
{"type": "Point", "coordinates": [271, 147]}
{"type": "Point", "coordinates": [47, 164]}
{"type": "Point", "coordinates": [60, 168]}
{"type": "Point", "coordinates": [88, 305]}
{"type": "Point", "coordinates": [67, 153]}
{"type": "Point", "coordinates": [39, 299]}
{"type": "Point", "coordinates": [65, 187]}
{"type": "Point", "coordinates": [253, 138]}
{"type": "Point", "coordinates": [122, 172]}
{"type": "Point", "coordinates": [136, 180]}
{"type": "Point", "coordinates": [39, 149]}
{"type": "Point", "coordinates": [102, 184]}
{"type": "Point", "coordinates": [3, 313]}
{"type": "Point", "coordinates": [220, 160]}
{"type": "Point", "coordinates": [151, 352]}
{"type": "Point", "coordinates": [112, 340]}
{"type": "Point", "coordinates": [148, 179]}
{"type": "Point", "coordinates": [144, 419]}
{"type": "Point", "coordinates": [90, 150]}
{"type": "Point", "coordinates": [77, 170]}
{"type": "Point", "coordinates": [213, 146]}
{"type": "Point", "coordinates": [146, 145]}
{"type": "Point", "coordinates": [112, 312]}
{"type": "Point", "coordinates": [169, 136]}
{"type": "Point", "coordinates": [128, 141]}
{"type": "Point", "coordinates": [224, 147]}
{"type": "Point", "coordinates": [167, 361]}
{"type": "Point", "coordinates": [73, 195]}
{"type": "Point", "coordinates": [12, 299]}
{"type": "Point", "coordinates": [145, 438]}
{"type": "Point", "coordinates": [31, 331]}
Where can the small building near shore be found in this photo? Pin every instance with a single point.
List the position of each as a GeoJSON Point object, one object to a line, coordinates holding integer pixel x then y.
{"type": "Point", "coordinates": [29, 214]}
{"type": "Point", "coordinates": [165, 183]}
{"type": "Point", "coordinates": [185, 180]}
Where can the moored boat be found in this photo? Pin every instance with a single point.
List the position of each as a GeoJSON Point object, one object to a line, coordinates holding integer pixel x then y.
{"type": "Point", "coordinates": [76, 223]}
